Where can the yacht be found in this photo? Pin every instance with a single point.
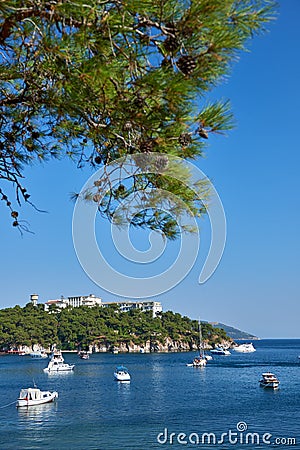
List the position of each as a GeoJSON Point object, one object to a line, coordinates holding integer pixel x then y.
{"type": "Point", "coordinates": [34, 396]}
{"type": "Point", "coordinates": [121, 374]}
{"type": "Point", "coordinates": [220, 351]}
{"type": "Point", "coordinates": [57, 364]}
{"type": "Point", "coordinates": [40, 354]}
{"type": "Point", "coordinates": [245, 348]}
{"type": "Point", "coordinates": [269, 380]}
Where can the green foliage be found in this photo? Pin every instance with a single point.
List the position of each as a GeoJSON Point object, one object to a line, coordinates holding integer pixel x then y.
{"type": "Point", "coordinates": [98, 80]}
{"type": "Point", "coordinates": [73, 328]}
{"type": "Point", "coordinates": [27, 326]}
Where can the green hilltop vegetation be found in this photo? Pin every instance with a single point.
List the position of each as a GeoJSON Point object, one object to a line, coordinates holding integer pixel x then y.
{"type": "Point", "coordinates": [74, 328]}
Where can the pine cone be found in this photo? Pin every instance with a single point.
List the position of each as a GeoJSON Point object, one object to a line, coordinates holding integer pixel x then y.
{"type": "Point", "coordinates": [187, 64]}
{"type": "Point", "coordinates": [203, 133]}
{"type": "Point", "coordinates": [98, 160]}
{"type": "Point", "coordinates": [185, 139]}
{"type": "Point", "coordinates": [147, 145]}
{"type": "Point", "coordinates": [97, 198]}
{"type": "Point", "coordinates": [171, 44]}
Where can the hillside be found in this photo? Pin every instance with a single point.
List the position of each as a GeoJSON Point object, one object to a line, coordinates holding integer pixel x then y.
{"type": "Point", "coordinates": [234, 333]}
{"type": "Point", "coordinates": [102, 329]}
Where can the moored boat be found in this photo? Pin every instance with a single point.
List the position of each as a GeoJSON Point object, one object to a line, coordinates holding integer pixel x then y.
{"type": "Point", "coordinates": [245, 348]}
{"type": "Point", "coordinates": [121, 374]}
{"type": "Point", "coordinates": [83, 355]}
{"type": "Point", "coordinates": [220, 351]}
{"type": "Point", "coordinates": [269, 380]}
{"type": "Point", "coordinates": [57, 364]}
{"type": "Point", "coordinates": [201, 359]}
{"type": "Point", "coordinates": [34, 396]}
{"type": "Point", "coordinates": [40, 354]}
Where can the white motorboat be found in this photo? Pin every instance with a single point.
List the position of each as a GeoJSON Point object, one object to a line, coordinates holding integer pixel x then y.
{"type": "Point", "coordinates": [269, 380]}
{"type": "Point", "coordinates": [83, 355]}
{"type": "Point", "coordinates": [122, 374]}
{"type": "Point", "coordinates": [40, 354]}
{"type": "Point", "coordinates": [57, 364]}
{"type": "Point", "coordinates": [220, 351]}
{"type": "Point", "coordinates": [34, 396]}
{"type": "Point", "coordinates": [245, 348]}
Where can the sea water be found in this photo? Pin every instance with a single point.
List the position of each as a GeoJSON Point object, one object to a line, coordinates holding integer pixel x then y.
{"type": "Point", "coordinates": [166, 405]}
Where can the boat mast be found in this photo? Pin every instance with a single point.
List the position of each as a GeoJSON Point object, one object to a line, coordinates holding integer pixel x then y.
{"type": "Point", "coordinates": [200, 337]}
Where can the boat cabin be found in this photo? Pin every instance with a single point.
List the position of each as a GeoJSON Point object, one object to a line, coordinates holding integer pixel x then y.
{"type": "Point", "coordinates": [32, 394]}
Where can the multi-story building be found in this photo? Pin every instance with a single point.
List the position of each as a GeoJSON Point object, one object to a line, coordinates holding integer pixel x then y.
{"type": "Point", "coordinates": [82, 300]}
{"type": "Point", "coordinates": [91, 301]}
{"type": "Point", "coordinates": [127, 305]}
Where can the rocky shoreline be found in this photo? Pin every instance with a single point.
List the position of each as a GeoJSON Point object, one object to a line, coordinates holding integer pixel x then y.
{"type": "Point", "coordinates": [169, 345]}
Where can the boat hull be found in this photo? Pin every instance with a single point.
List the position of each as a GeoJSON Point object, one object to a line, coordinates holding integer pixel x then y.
{"type": "Point", "coordinates": [60, 369]}
{"type": "Point", "coordinates": [221, 352]}
{"type": "Point", "coordinates": [269, 385]}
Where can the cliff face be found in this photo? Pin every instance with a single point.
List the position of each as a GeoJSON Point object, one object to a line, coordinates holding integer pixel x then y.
{"type": "Point", "coordinates": [168, 345]}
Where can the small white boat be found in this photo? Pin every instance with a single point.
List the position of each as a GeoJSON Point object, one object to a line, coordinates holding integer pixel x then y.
{"type": "Point", "coordinates": [34, 396]}
{"type": "Point", "coordinates": [122, 374]}
{"type": "Point", "coordinates": [245, 348]}
{"type": "Point", "coordinates": [40, 354]}
{"type": "Point", "coordinates": [83, 355]}
{"type": "Point", "coordinates": [220, 351]}
{"type": "Point", "coordinates": [208, 357]}
{"type": "Point", "coordinates": [269, 380]}
{"type": "Point", "coordinates": [199, 361]}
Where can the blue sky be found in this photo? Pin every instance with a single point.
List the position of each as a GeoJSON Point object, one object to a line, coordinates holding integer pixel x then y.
{"type": "Point", "coordinates": [255, 170]}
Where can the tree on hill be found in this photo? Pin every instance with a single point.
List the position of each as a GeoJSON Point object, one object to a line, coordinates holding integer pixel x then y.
{"type": "Point", "coordinates": [98, 80]}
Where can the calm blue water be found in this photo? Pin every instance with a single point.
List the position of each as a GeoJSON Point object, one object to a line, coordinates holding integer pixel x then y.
{"type": "Point", "coordinates": [95, 412]}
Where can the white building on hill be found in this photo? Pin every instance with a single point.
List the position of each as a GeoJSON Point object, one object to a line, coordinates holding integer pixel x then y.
{"type": "Point", "coordinates": [82, 300]}
{"type": "Point", "coordinates": [91, 301]}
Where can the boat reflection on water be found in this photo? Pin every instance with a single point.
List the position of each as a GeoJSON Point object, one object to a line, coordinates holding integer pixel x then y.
{"type": "Point", "coordinates": [39, 414]}
{"type": "Point", "coordinates": [58, 374]}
